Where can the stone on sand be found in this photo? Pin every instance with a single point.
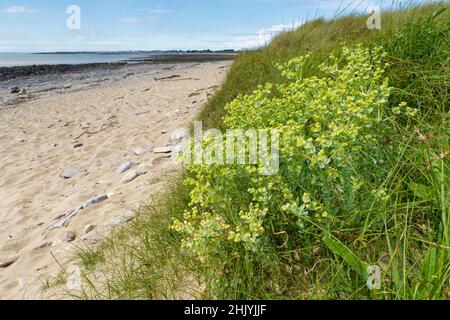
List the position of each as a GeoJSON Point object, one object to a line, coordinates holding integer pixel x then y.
{"type": "Point", "coordinates": [88, 228]}
{"type": "Point", "coordinates": [7, 262]}
{"type": "Point", "coordinates": [70, 236]}
{"type": "Point", "coordinates": [15, 90]}
{"type": "Point", "coordinates": [77, 145]}
{"type": "Point", "coordinates": [125, 167]}
{"type": "Point", "coordinates": [92, 201]}
{"type": "Point", "coordinates": [163, 150]}
{"type": "Point", "coordinates": [42, 246]}
{"type": "Point", "coordinates": [131, 176]}
{"type": "Point", "coordinates": [71, 172]}
{"type": "Point", "coordinates": [139, 151]}
{"type": "Point", "coordinates": [124, 218]}
{"type": "Point", "coordinates": [92, 238]}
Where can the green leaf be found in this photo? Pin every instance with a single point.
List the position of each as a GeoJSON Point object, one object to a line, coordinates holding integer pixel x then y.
{"type": "Point", "coordinates": [420, 191]}
{"type": "Point", "coordinates": [429, 266]}
{"type": "Point", "coordinates": [340, 249]}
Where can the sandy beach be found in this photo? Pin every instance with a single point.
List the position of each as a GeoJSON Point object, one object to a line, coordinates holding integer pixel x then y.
{"type": "Point", "coordinates": [59, 151]}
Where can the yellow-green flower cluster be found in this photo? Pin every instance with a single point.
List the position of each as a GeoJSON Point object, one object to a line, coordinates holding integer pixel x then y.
{"type": "Point", "coordinates": [329, 126]}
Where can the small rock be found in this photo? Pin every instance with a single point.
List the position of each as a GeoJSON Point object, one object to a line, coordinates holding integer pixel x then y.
{"type": "Point", "coordinates": [124, 218]}
{"type": "Point", "coordinates": [164, 132]}
{"type": "Point", "coordinates": [141, 150]}
{"type": "Point", "coordinates": [42, 268]}
{"type": "Point", "coordinates": [88, 228]}
{"type": "Point", "coordinates": [92, 238]}
{"type": "Point", "coordinates": [42, 246]}
{"type": "Point", "coordinates": [70, 236]}
{"type": "Point", "coordinates": [125, 167]}
{"type": "Point", "coordinates": [71, 172]}
{"type": "Point", "coordinates": [77, 145]}
{"type": "Point", "coordinates": [15, 90]}
{"type": "Point", "coordinates": [84, 125]}
{"type": "Point", "coordinates": [93, 201]}
{"type": "Point", "coordinates": [23, 91]}
{"type": "Point", "coordinates": [163, 150]}
{"type": "Point", "coordinates": [131, 176]}
{"type": "Point", "coordinates": [7, 262]}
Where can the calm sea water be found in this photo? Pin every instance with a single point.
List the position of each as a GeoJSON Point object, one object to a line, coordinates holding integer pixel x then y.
{"type": "Point", "coordinates": [26, 59]}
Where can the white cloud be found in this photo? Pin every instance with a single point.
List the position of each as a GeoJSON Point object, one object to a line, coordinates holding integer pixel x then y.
{"type": "Point", "coordinates": [18, 9]}
{"type": "Point", "coordinates": [262, 36]}
{"type": "Point", "coordinates": [129, 20]}
{"type": "Point", "coordinates": [159, 10]}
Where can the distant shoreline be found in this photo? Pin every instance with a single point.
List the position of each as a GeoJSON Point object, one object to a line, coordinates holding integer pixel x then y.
{"type": "Point", "coordinates": [25, 71]}
{"type": "Point", "coordinates": [143, 52]}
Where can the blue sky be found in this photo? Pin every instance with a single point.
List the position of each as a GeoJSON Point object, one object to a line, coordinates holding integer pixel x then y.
{"type": "Point", "coordinates": [107, 25]}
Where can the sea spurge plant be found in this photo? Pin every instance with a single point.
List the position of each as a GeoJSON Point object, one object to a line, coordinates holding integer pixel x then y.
{"type": "Point", "coordinates": [330, 132]}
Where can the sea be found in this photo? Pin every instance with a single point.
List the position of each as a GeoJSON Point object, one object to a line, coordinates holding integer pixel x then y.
{"type": "Point", "coordinates": [28, 59]}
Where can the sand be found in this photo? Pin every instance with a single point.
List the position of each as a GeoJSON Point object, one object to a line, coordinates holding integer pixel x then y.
{"type": "Point", "coordinates": [37, 144]}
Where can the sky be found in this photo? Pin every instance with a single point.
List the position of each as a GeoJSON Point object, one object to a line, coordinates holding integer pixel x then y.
{"type": "Point", "coordinates": [113, 25]}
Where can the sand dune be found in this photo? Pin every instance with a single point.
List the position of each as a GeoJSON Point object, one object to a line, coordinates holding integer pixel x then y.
{"type": "Point", "coordinates": [38, 140]}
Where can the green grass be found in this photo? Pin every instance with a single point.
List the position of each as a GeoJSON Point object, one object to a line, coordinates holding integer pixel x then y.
{"type": "Point", "coordinates": [408, 237]}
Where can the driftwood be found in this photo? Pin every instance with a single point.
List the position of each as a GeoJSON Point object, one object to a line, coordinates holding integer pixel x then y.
{"type": "Point", "coordinates": [104, 126]}
{"type": "Point", "coordinates": [62, 221]}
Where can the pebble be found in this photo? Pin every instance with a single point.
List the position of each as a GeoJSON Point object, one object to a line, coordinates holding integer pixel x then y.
{"type": "Point", "coordinates": [70, 236]}
{"type": "Point", "coordinates": [91, 238]}
{"type": "Point", "coordinates": [93, 201]}
{"type": "Point", "coordinates": [131, 176]}
{"type": "Point", "coordinates": [15, 90]}
{"type": "Point", "coordinates": [141, 150]}
{"type": "Point", "coordinates": [77, 145]}
{"type": "Point", "coordinates": [125, 167]}
{"type": "Point", "coordinates": [163, 150]}
{"type": "Point", "coordinates": [124, 218]}
{"type": "Point", "coordinates": [71, 172]}
{"type": "Point", "coordinates": [84, 125]}
{"type": "Point", "coordinates": [7, 262]}
{"type": "Point", "coordinates": [42, 246]}
{"type": "Point", "coordinates": [88, 228]}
